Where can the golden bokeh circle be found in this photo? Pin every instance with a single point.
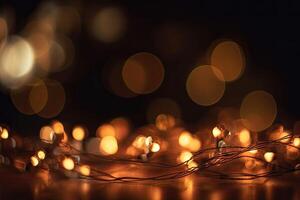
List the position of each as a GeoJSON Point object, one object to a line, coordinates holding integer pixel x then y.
{"type": "Point", "coordinates": [203, 86]}
{"type": "Point", "coordinates": [228, 57]}
{"type": "Point", "coordinates": [143, 73]}
{"type": "Point", "coordinates": [258, 110]}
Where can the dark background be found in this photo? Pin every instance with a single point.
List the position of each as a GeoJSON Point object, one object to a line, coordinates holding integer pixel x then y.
{"type": "Point", "coordinates": [268, 31]}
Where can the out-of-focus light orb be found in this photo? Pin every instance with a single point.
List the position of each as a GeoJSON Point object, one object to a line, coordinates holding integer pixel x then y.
{"type": "Point", "coordinates": [203, 86]}
{"type": "Point", "coordinates": [296, 142]}
{"type": "Point", "coordinates": [108, 145]}
{"type": "Point", "coordinates": [143, 73]}
{"type": "Point", "coordinates": [38, 96]}
{"type": "Point", "coordinates": [185, 156]}
{"type": "Point", "coordinates": [163, 112]}
{"type": "Point", "coordinates": [283, 136]}
{"type": "Point", "coordinates": [68, 164]}
{"type": "Point", "coordinates": [258, 110]}
{"type": "Point", "coordinates": [195, 145]}
{"type": "Point", "coordinates": [109, 24]}
{"type": "Point", "coordinates": [58, 127]}
{"type": "Point", "coordinates": [78, 133]}
{"type": "Point", "coordinates": [250, 164]}
{"type": "Point", "coordinates": [56, 99]}
{"type": "Point", "coordinates": [121, 126]}
{"type": "Point", "coordinates": [216, 132]}
{"type": "Point", "coordinates": [192, 164]}
{"type": "Point", "coordinates": [244, 137]}
{"type": "Point", "coordinates": [163, 122]}
{"type": "Point", "coordinates": [47, 134]}
{"type": "Point", "coordinates": [253, 151]}
{"type": "Point", "coordinates": [34, 161]}
{"type": "Point", "coordinates": [185, 139]}
{"type": "Point", "coordinates": [228, 57]}
{"type": "Point", "coordinates": [106, 130]}
{"type": "Point", "coordinates": [4, 133]}
{"type": "Point", "coordinates": [85, 170]}
{"type": "Point", "coordinates": [139, 142]}
{"type": "Point", "coordinates": [41, 154]}
{"type": "Point", "coordinates": [269, 156]}
{"type": "Point", "coordinates": [155, 147]}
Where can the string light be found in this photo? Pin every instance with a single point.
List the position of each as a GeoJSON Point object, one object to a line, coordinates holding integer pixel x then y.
{"type": "Point", "coordinates": [34, 161]}
{"type": "Point", "coordinates": [4, 133]}
{"type": "Point", "coordinates": [269, 156]}
{"type": "Point", "coordinates": [68, 164]}
{"type": "Point", "coordinates": [41, 154]}
{"type": "Point", "coordinates": [296, 142]}
{"type": "Point", "coordinates": [85, 170]}
{"type": "Point", "coordinates": [216, 132]}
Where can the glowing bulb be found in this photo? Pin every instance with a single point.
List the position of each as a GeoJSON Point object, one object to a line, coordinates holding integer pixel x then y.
{"type": "Point", "coordinates": [4, 133]}
{"type": "Point", "coordinates": [148, 141]}
{"type": "Point", "coordinates": [216, 132]}
{"type": "Point", "coordinates": [78, 133]}
{"type": "Point", "coordinates": [139, 142]}
{"type": "Point", "coordinates": [296, 142]}
{"type": "Point", "coordinates": [68, 164]}
{"type": "Point", "coordinates": [185, 139]}
{"type": "Point", "coordinates": [185, 156]}
{"type": "Point", "coordinates": [195, 145]}
{"type": "Point", "coordinates": [192, 164]}
{"type": "Point", "coordinates": [106, 130]}
{"type": "Point", "coordinates": [253, 151]}
{"type": "Point", "coordinates": [109, 145]}
{"type": "Point", "coordinates": [269, 156]}
{"type": "Point", "coordinates": [155, 147]}
{"type": "Point", "coordinates": [41, 154]}
{"type": "Point", "coordinates": [58, 127]}
{"type": "Point", "coordinates": [244, 137]}
{"type": "Point", "coordinates": [47, 134]}
{"type": "Point", "coordinates": [85, 170]}
{"type": "Point", "coordinates": [34, 161]}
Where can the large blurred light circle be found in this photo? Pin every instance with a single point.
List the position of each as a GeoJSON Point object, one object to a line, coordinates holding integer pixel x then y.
{"type": "Point", "coordinates": [228, 57]}
{"type": "Point", "coordinates": [203, 86]}
{"type": "Point", "coordinates": [108, 145]}
{"type": "Point", "coordinates": [258, 110]}
{"type": "Point", "coordinates": [16, 62]}
{"type": "Point", "coordinates": [56, 99]}
{"type": "Point", "coordinates": [143, 73]}
{"type": "Point", "coordinates": [38, 96]}
{"type": "Point", "coordinates": [109, 24]}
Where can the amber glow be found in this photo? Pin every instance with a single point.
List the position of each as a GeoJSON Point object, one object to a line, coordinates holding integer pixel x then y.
{"type": "Point", "coordinates": [296, 142]}
{"type": "Point", "coordinates": [258, 110]}
{"type": "Point", "coordinates": [41, 154]}
{"type": "Point", "coordinates": [195, 145]}
{"type": "Point", "coordinates": [47, 134]}
{"type": "Point", "coordinates": [185, 139]}
{"type": "Point", "coordinates": [34, 161]}
{"type": "Point", "coordinates": [253, 151]}
{"type": "Point", "coordinates": [185, 156]}
{"type": "Point", "coordinates": [78, 133]}
{"type": "Point", "coordinates": [139, 142]}
{"type": "Point", "coordinates": [68, 164]}
{"type": "Point", "coordinates": [4, 133]}
{"type": "Point", "coordinates": [106, 130]}
{"type": "Point", "coordinates": [108, 145]}
{"type": "Point", "coordinates": [192, 164]}
{"type": "Point", "coordinates": [58, 127]}
{"type": "Point", "coordinates": [85, 170]}
{"type": "Point", "coordinates": [216, 132]}
{"type": "Point", "coordinates": [269, 156]}
{"type": "Point", "coordinates": [203, 86]}
{"type": "Point", "coordinates": [143, 73]}
{"type": "Point", "coordinates": [164, 122]}
{"type": "Point", "coordinates": [244, 137]}
{"type": "Point", "coordinates": [155, 147]}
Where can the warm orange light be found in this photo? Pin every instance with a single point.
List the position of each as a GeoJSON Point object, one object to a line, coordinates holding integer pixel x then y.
{"type": "Point", "coordinates": [47, 134]}
{"type": "Point", "coordinates": [139, 142]}
{"type": "Point", "coordinates": [108, 145]}
{"type": "Point", "coordinates": [250, 164]}
{"type": "Point", "coordinates": [185, 156]}
{"type": "Point", "coordinates": [41, 154]}
{"type": "Point", "coordinates": [58, 127]}
{"type": "Point", "coordinates": [244, 137]}
{"type": "Point", "coordinates": [155, 147]}
{"type": "Point", "coordinates": [106, 130]}
{"type": "Point", "coordinates": [68, 164]}
{"type": "Point", "coordinates": [163, 122]}
{"type": "Point", "coordinates": [185, 139]}
{"type": "Point", "coordinates": [253, 151]}
{"type": "Point", "coordinates": [4, 133]}
{"type": "Point", "coordinates": [216, 132]}
{"type": "Point", "coordinates": [34, 161]}
{"type": "Point", "coordinates": [195, 145]}
{"type": "Point", "coordinates": [192, 164]}
{"type": "Point", "coordinates": [78, 133]}
{"type": "Point", "coordinates": [296, 142]}
{"type": "Point", "coordinates": [269, 156]}
{"type": "Point", "coordinates": [85, 170]}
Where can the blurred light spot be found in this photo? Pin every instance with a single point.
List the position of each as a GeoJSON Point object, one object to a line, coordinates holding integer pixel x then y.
{"type": "Point", "coordinates": [244, 137]}
{"type": "Point", "coordinates": [216, 132]}
{"type": "Point", "coordinates": [105, 130]}
{"type": "Point", "coordinates": [250, 164]}
{"type": "Point", "coordinates": [162, 111]}
{"type": "Point", "coordinates": [253, 151]}
{"type": "Point", "coordinates": [143, 73]}
{"type": "Point", "coordinates": [41, 154]}
{"type": "Point", "coordinates": [85, 170]}
{"type": "Point", "coordinates": [185, 156]}
{"type": "Point", "coordinates": [228, 57]}
{"type": "Point", "coordinates": [58, 127]}
{"type": "Point", "coordinates": [121, 126]}
{"type": "Point", "coordinates": [92, 145]}
{"type": "Point", "coordinates": [108, 145]}
{"type": "Point", "coordinates": [47, 134]}
{"type": "Point", "coordinates": [296, 142]}
{"type": "Point", "coordinates": [269, 156]}
{"type": "Point", "coordinates": [4, 133]}
{"type": "Point", "coordinates": [203, 87]}
{"type": "Point", "coordinates": [258, 110]}
{"type": "Point", "coordinates": [38, 96]}
{"type": "Point", "coordinates": [78, 133]}
{"type": "Point", "coordinates": [34, 161]}
{"type": "Point", "coordinates": [155, 147]}
{"type": "Point", "coordinates": [109, 24]}
{"type": "Point", "coordinates": [68, 164]}
{"type": "Point", "coordinates": [192, 164]}
{"type": "Point", "coordinates": [56, 99]}
{"type": "Point", "coordinates": [195, 145]}
{"type": "Point", "coordinates": [16, 62]}
{"type": "Point", "coordinates": [185, 139]}
{"type": "Point", "coordinates": [139, 142]}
